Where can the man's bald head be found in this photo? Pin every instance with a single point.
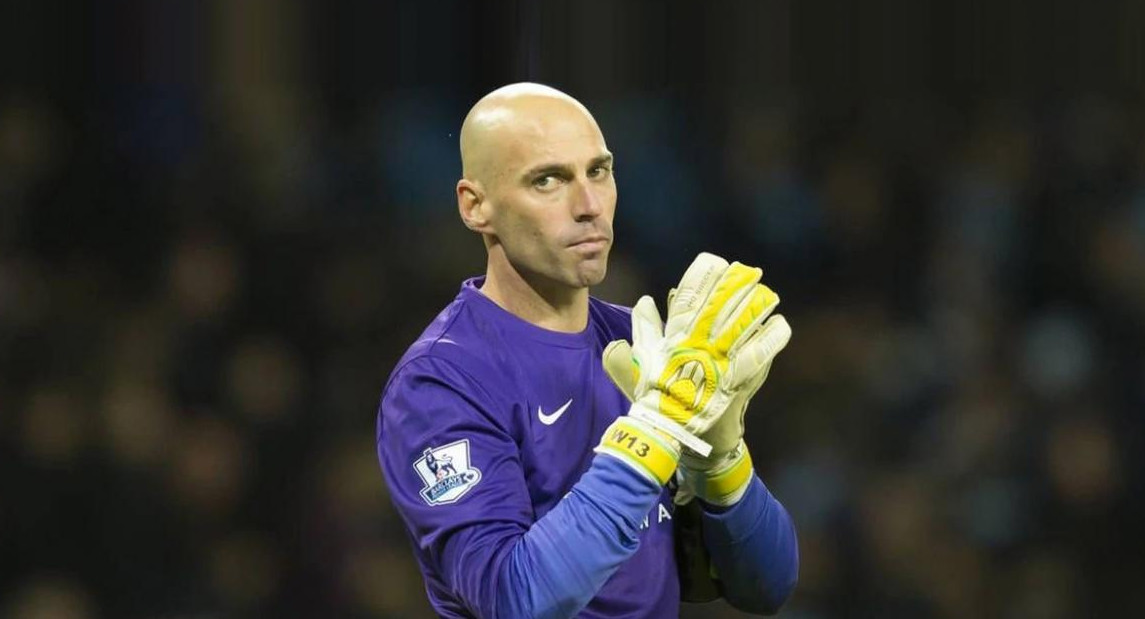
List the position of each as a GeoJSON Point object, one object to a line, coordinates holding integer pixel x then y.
{"type": "Point", "coordinates": [500, 116]}
{"type": "Point", "coordinates": [538, 187]}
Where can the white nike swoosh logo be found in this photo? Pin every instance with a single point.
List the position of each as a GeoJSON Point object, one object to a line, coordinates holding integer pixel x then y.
{"type": "Point", "coordinates": [549, 420]}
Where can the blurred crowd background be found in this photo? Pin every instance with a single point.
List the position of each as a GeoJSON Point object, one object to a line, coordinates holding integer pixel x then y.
{"type": "Point", "coordinates": [221, 223]}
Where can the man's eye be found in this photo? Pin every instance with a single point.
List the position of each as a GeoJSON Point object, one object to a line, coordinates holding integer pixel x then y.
{"type": "Point", "coordinates": [600, 171]}
{"type": "Point", "coordinates": [547, 181]}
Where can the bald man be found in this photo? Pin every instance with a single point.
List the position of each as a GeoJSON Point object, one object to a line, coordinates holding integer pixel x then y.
{"type": "Point", "coordinates": [561, 495]}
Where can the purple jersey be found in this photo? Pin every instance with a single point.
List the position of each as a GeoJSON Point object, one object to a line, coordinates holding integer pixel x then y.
{"type": "Point", "coordinates": [486, 423]}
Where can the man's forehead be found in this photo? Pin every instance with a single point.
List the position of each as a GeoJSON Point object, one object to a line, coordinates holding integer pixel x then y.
{"type": "Point", "coordinates": [522, 126]}
{"type": "Point", "coordinates": [557, 138]}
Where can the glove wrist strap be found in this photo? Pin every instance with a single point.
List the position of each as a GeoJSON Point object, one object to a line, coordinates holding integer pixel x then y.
{"type": "Point", "coordinates": [725, 483]}
{"type": "Point", "coordinates": [650, 414]}
{"type": "Point", "coordinates": [640, 446]}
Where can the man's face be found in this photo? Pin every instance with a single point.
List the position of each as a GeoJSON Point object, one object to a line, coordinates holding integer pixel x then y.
{"type": "Point", "coordinates": [553, 196]}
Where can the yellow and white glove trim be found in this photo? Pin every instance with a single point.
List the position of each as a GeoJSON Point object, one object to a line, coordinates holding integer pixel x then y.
{"type": "Point", "coordinates": [723, 482]}
{"type": "Point", "coordinates": [638, 445]}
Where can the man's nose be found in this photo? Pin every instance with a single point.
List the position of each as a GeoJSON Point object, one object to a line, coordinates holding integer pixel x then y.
{"type": "Point", "coordinates": [587, 203]}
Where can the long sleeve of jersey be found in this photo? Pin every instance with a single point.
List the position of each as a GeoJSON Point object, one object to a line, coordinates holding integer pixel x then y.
{"type": "Point", "coordinates": [754, 550]}
{"type": "Point", "coordinates": [454, 473]}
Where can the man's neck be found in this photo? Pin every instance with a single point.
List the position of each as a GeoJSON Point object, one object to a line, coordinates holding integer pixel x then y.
{"type": "Point", "coordinates": [556, 308]}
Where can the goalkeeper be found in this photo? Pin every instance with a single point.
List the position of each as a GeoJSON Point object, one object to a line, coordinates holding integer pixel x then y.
{"type": "Point", "coordinates": [553, 455]}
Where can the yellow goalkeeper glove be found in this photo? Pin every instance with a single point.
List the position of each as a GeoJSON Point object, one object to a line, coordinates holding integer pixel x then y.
{"type": "Point", "coordinates": [721, 353]}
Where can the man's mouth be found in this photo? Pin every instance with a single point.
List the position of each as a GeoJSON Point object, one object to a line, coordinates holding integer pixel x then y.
{"type": "Point", "coordinates": [591, 244]}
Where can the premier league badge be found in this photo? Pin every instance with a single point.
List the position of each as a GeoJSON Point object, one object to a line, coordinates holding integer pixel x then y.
{"type": "Point", "coordinates": [446, 472]}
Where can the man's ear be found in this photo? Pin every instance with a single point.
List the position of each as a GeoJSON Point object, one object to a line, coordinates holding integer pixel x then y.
{"type": "Point", "coordinates": [472, 206]}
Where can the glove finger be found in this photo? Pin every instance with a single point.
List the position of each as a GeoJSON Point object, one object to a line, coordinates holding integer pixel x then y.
{"type": "Point", "coordinates": [754, 358]}
{"type": "Point", "coordinates": [647, 326]}
{"type": "Point", "coordinates": [647, 337]}
{"type": "Point", "coordinates": [735, 282]}
{"type": "Point", "coordinates": [621, 367]}
{"type": "Point", "coordinates": [741, 321]}
{"type": "Point", "coordinates": [694, 287]}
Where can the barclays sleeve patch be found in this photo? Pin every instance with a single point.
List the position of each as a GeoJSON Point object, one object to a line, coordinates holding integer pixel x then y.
{"type": "Point", "coordinates": [446, 472]}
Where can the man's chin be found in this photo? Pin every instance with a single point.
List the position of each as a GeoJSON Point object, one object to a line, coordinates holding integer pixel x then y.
{"type": "Point", "coordinates": [591, 274]}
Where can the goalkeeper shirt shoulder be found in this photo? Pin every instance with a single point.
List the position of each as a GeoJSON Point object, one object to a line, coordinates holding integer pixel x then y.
{"type": "Point", "coordinates": [485, 424]}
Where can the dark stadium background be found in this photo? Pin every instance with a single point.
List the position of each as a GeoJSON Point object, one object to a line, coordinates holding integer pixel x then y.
{"type": "Point", "coordinates": [222, 222]}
